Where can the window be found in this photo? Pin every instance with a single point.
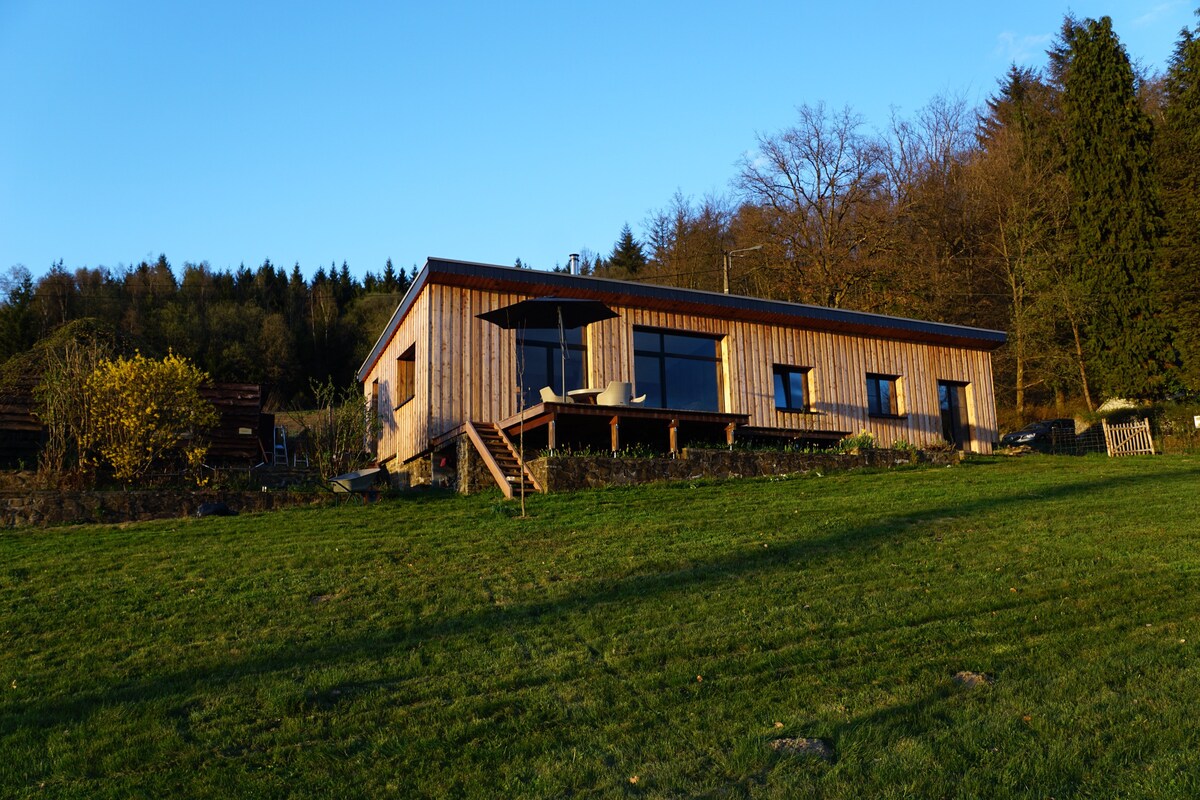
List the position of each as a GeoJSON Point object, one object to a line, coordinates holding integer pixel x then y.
{"type": "Point", "coordinates": [542, 356]}
{"type": "Point", "coordinates": [406, 375]}
{"type": "Point", "coordinates": [791, 388]}
{"type": "Point", "coordinates": [677, 370]}
{"type": "Point", "coordinates": [882, 396]}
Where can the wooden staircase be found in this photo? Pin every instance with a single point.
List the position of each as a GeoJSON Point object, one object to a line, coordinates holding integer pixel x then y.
{"type": "Point", "coordinates": [501, 458]}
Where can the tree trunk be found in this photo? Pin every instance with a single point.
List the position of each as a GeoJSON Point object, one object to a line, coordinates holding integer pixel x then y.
{"type": "Point", "coordinates": [1083, 381]}
{"type": "Point", "coordinates": [1020, 381]}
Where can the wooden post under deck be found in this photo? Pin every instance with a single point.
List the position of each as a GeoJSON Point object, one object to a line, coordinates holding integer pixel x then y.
{"type": "Point", "coordinates": [614, 425]}
{"type": "Point", "coordinates": [552, 434]}
{"type": "Point", "coordinates": [729, 434]}
{"type": "Point", "coordinates": [674, 429]}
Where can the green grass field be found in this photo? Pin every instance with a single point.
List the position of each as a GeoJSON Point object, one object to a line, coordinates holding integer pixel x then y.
{"type": "Point", "coordinates": [645, 642]}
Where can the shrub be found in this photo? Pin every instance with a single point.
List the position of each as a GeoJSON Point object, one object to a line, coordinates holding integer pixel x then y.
{"type": "Point", "coordinates": [341, 431]}
{"type": "Point", "coordinates": [145, 414]}
{"type": "Point", "coordinates": [863, 440]}
{"type": "Point", "coordinates": [63, 400]}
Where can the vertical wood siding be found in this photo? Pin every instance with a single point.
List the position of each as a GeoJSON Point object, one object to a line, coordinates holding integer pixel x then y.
{"type": "Point", "coordinates": [404, 430]}
{"type": "Point", "coordinates": [466, 369]}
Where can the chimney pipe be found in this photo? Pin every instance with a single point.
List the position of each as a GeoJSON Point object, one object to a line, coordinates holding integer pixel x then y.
{"type": "Point", "coordinates": [573, 261]}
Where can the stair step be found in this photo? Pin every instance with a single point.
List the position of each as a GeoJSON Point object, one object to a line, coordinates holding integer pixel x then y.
{"type": "Point", "coordinates": [503, 454]}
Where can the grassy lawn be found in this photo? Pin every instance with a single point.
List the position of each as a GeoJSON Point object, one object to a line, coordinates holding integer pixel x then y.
{"type": "Point", "coordinates": [438, 646]}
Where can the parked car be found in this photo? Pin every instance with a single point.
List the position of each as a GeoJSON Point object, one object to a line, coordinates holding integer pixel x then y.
{"type": "Point", "coordinates": [1039, 434]}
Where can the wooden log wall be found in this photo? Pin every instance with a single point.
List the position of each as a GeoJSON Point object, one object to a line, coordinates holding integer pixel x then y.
{"type": "Point", "coordinates": [238, 435]}
{"type": "Point", "coordinates": [466, 370]}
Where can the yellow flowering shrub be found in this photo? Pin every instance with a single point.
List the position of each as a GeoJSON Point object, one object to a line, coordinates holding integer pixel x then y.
{"type": "Point", "coordinates": [146, 413]}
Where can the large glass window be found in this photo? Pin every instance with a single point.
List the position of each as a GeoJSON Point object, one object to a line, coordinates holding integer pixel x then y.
{"type": "Point", "coordinates": [540, 354]}
{"type": "Point", "coordinates": [677, 370]}
{"type": "Point", "coordinates": [791, 388]}
{"type": "Point", "coordinates": [882, 397]}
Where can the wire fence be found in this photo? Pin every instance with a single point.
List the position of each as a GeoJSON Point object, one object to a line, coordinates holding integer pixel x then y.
{"type": "Point", "coordinates": [1115, 440]}
{"type": "Point", "coordinates": [1065, 442]}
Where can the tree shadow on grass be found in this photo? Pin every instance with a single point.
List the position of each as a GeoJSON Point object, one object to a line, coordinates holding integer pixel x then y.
{"type": "Point", "coordinates": [745, 563]}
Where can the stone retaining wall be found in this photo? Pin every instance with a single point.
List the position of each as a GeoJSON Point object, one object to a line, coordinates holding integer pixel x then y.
{"type": "Point", "coordinates": [42, 508]}
{"type": "Point", "coordinates": [418, 472]}
{"type": "Point", "coordinates": [473, 474]}
{"type": "Point", "coordinates": [571, 473]}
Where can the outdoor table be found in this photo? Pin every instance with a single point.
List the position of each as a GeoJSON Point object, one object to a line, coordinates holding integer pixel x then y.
{"type": "Point", "coordinates": [584, 395]}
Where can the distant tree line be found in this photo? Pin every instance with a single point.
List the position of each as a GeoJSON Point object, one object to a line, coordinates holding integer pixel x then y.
{"type": "Point", "coordinates": [1066, 212]}
{"type": "Point", "coordinates": [264, 325]}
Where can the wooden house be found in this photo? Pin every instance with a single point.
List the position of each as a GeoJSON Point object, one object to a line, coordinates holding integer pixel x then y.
{"type": "Point", "coordinates": [712, 367]}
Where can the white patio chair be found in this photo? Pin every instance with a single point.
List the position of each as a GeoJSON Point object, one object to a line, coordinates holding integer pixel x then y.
{"type": "Point", "coordinates": [618, 393]}
{"type": "Point", "coordinates": [548, 396]}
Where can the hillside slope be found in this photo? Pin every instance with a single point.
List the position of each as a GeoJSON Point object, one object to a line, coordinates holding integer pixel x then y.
{"type": "Point", "coordinates": [643, 642]}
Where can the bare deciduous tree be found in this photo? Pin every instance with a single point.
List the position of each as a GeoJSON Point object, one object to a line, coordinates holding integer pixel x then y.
{"type": "Point", "coordinates": [821, 182]}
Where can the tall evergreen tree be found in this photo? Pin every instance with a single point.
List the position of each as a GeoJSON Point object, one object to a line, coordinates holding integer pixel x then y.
{"type": "Point", "coordinates": [345, 285]}
{"type": "Point", "coordinates": [1019, 208]}
{"type": "Point", "coordinates": [1114, 210]}
{"type": "Point", "coordinates": [627, 256]}
{"type": "Point", "coordinates": [17, 322]}
{"type": "Point", "coordinates": [389, 277]}
{"type": "Point", "coordinates": [1178, 149]}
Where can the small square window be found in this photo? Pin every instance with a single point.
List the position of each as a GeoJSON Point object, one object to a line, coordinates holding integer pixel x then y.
{"type": "Point", "coordinates": [791, 388]}
{"type": "Point", "coordinates": [882, 398]}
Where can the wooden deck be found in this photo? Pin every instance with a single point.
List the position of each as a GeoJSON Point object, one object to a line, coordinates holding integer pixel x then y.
{"type": "Point", "coordinates": [580, 415]}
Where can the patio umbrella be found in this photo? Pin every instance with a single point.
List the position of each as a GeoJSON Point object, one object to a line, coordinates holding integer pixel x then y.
{"type": "Point", "coordinates": [564, 313]}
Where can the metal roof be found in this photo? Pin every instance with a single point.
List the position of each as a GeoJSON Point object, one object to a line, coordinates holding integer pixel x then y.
{"type": "Point", "coordinates": [690, 301]}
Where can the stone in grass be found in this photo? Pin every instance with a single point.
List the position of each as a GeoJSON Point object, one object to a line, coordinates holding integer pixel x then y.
{"type": "Point", "coordinates": [971, 680]}
{"type": "Point", "coordinates": [800, 746]}
{"type": "Point", "coordinates": [215, 510]}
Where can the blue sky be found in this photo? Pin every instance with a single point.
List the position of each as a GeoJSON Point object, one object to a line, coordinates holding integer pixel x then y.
{"type": "Point", "coordinates": [321, 132]}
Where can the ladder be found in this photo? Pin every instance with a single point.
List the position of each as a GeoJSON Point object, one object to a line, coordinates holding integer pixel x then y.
{"type": "Point", "coordinates": [281, 453]}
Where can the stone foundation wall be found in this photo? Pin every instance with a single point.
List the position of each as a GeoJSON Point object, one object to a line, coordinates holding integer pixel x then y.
{"type": "Point", "coordinates": [570, 473]}
{"type": "Point", "coordinates": [418, 472]}
{"type": "Point", "coordinates": [42, 508]}
{"type": "Point", "coordinates": [473, 474]}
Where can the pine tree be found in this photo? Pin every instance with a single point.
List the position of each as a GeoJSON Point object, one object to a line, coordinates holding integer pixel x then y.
{"type": "Point", "coordinates": [1178, 150]}
{"type": "Point", "coordinates": [1114, 211]}
{"type": "Point", "coordinates": [17, 329]}
{"type": "Point", "coordinates": [389, 277]}
{"type": "Point", "coordinates": [345, 285]}
{"type": "Point", "coordinates": [1019, 212]}
{"type": "Point", "coordinates": [627, 257]}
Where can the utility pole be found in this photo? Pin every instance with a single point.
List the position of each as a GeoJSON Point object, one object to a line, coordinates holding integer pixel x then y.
{"type": "Point", "coordinates": [729, 254]}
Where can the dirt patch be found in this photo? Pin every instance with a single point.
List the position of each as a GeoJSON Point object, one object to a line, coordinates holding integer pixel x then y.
{"type": "Point", "coordinates": [801, 746]}
{"type": "Point", "coordinates": [971, 680]}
